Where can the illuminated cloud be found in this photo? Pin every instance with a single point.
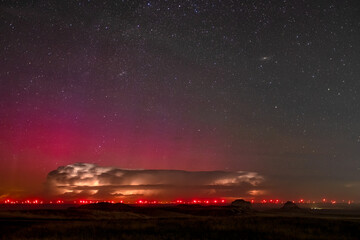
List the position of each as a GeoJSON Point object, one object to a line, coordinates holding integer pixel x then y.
{"type": "Point", "coordinates": [85, 180]}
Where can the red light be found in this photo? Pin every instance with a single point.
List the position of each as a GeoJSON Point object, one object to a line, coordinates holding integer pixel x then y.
{"type": "Point", "coordinates": [222, 201]}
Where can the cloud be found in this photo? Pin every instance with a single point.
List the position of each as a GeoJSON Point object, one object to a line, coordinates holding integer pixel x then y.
{"type": "Point", "coordinates": [85, 180]}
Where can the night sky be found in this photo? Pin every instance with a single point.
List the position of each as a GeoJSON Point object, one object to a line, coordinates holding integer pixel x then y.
{"type": "Point", "coordinates": [270, 87]}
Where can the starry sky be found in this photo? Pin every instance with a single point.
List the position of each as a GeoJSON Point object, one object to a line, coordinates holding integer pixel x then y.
{"type": "Point", "coordinates": [270, 87]}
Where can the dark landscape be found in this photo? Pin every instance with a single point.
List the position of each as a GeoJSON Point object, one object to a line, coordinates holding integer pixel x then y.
{"type": "Point", "coordinates": [120, 221]}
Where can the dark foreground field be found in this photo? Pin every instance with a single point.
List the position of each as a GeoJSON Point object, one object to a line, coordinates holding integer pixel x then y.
{"type": "Point", "coordinates": [177, 223]}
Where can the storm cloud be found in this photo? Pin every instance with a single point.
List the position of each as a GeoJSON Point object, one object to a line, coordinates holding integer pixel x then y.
{"type": "Point", "coordinates": [86, 180]}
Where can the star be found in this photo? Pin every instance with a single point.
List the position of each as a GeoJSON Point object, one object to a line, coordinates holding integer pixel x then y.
{"type": "Point", "coordinates": [265, 58]}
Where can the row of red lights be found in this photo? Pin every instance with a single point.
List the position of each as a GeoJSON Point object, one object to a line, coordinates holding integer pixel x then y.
{"type": "Point", "coordinates": [90, 202]}
{"type": "Point", "coordinates": [8, 201]}
{"type": "Point", "coordinates": [324, 200]}
{"type": "Point", "coordinates": [276, 201]}
{"type": "Point", "coordinates": [264, 201]}
{"type": "Point", "coordinates": [183, 202]}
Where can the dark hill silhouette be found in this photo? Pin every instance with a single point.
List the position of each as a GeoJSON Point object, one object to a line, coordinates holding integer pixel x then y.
{"type": "Point", "coordinates": [242, 206]}
{"type": "Point", "coordinates": [291, 207]}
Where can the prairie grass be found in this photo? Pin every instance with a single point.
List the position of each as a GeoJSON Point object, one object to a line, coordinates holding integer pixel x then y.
{"type": "Point", "coordinates": [156, 224]}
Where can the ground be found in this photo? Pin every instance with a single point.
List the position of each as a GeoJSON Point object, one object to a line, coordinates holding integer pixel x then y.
{"type": "Point", "coordinates": [185, 222]}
